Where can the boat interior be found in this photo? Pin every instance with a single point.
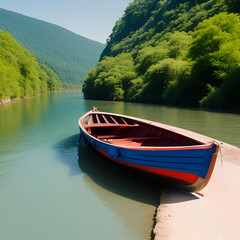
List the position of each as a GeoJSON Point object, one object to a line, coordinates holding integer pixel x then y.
{"type": "Point", "coordinates": [125, 131]}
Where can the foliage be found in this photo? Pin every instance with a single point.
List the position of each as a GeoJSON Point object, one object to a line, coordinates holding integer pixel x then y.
{"type": "Point", "coordinates": [20, 74]}
{"type": "Point", "coordinates": [216, 48]}
{"type": "Point", "coordinates": [68, 54]}
{"type": "Point", "coordinates": [181, 52]}
{"type": "Point", "coordinates": [163, 17]}
{"type": "Point", "coordinates": [110, 78]}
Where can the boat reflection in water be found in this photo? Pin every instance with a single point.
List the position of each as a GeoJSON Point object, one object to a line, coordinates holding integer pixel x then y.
{"type": "Point", "coordinates": [116, 178]}
{"type": "Point", "coordinates": [129, 198]}
{"type": "Point", "coordinates": [132, 198]}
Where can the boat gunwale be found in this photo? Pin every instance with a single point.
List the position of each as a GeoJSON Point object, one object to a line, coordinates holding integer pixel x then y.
{"type": "Point", "coordinates": [202, 144]}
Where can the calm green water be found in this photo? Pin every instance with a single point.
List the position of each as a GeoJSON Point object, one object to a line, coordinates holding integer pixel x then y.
{"type": "Point", "coordinates": [52, 189]}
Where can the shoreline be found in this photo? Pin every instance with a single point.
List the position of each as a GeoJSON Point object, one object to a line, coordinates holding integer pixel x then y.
{"type": "Point", "coordinates": [5, 101]}
{"type": "Point", "coordinates": [215, 215]}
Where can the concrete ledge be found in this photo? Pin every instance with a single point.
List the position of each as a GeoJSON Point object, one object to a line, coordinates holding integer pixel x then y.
{"type": "Point", "coordinates": [215, 215]}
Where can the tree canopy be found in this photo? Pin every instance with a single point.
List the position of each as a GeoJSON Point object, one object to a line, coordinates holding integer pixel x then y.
{"type": "Point", "coordinates": [20, 74]}
{"type": "Point", "coordinates": [172, 52]}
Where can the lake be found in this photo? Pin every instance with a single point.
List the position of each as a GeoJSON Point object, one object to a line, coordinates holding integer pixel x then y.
{"type": "Point", "coordinates": [51, 188]}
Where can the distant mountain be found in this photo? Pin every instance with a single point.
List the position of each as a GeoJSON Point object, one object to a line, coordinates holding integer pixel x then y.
{"type": "Point", "coordinates": [68, 54]}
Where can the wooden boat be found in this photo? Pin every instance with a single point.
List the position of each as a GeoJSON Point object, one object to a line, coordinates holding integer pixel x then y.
{"type": "Point", "coordinates": [159, 149]}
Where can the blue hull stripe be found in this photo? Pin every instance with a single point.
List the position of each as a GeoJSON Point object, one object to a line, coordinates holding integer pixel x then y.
{"type": "Point", "coordinates": [194, 161]}
{"type": "Point", "coordinates": [188, 161]}
{"type": "Point", "coordinates": [172, 159]}
{"type": "Point", "coordinates": [196, 153]}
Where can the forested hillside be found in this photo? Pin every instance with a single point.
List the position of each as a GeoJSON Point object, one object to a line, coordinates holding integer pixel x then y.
{"type": "Point", "coordinates": [20, 74]}
{"type": "Point", "coordinates": [68, 54]}
{"type": "Point", "coordinates": [184, 52]}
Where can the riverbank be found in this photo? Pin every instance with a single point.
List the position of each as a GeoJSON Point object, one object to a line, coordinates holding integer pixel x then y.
{"type": "Point", "coordinates": [215, 215]}
{"type": "Point", "coordinates": [4, 101]}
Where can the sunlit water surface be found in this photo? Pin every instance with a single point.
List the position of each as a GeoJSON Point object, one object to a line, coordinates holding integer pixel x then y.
{"type": "Point", "coordinates": [52, 189]}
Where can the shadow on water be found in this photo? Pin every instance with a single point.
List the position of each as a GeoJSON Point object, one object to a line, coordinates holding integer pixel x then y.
{"type": "Point", "coordinates": [67, 150]}
{"type": "Point", "coordinates": [113, 177]}
{"type": "Point", "coordinates": [116, 178]}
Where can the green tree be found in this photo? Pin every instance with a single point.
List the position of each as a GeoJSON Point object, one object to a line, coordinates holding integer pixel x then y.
{"type": "Point", "coordinates": [215, 48]}
{"type": "Point", "coordinates": [172, 52]}
{"type": "Point", "coordinates": [20, 74]}
{"type": "Point", "coordinates": [110, 78]}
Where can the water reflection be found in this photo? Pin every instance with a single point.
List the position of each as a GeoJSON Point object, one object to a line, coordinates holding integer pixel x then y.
{"type": "Point", "coordinates": [68, 153]}
{"type": "Point", "coordinates": [132, 198]}
{"type": "Point", "coordinates": [116, 178]}
{"type": "Point", "coordinates": [16, 119]}
{"type": "Point", "coordinates": [107, 174]}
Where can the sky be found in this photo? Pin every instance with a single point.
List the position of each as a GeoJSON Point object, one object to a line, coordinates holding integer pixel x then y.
{"type": "Point", "coordinates": [93, 19]}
